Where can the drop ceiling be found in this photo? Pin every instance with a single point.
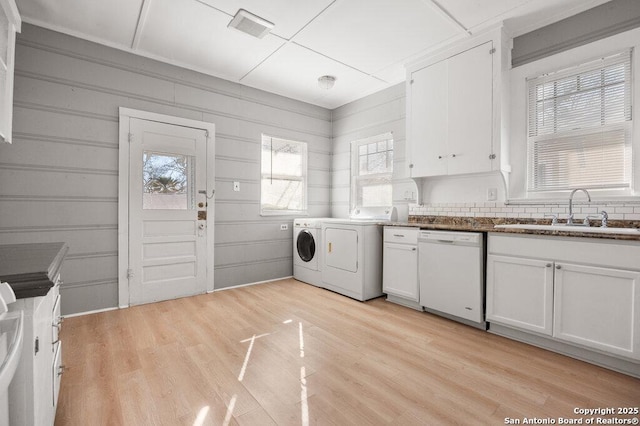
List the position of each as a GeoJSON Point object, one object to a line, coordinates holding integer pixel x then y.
{"type": "Point", "coordinates": [363, 43]}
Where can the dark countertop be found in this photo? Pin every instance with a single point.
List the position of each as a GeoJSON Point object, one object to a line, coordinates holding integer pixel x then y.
{"type": "Point", "coordinates": [487, 224]}
{"type": "Point", "coordinates": [31, 269]}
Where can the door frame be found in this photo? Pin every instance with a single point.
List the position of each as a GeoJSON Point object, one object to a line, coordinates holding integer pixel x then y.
{"type": "Point", "coordinates": [125, 116]}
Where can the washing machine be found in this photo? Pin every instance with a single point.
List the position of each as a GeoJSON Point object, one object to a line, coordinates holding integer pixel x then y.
{"type": "Point", "coordinates": [307, 249]}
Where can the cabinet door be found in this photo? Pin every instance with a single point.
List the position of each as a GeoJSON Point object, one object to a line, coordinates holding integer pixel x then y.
{"type": "Point", "coordinates": [520, 293]}
{"type": "Point", "coordinates": [470, 107]}
{"type": "Point", "coordinates": [400, 271]}
{"type": "Point", "coordinates": [598, 308]}
{"type": "Point", "coordinates": [428, 121]}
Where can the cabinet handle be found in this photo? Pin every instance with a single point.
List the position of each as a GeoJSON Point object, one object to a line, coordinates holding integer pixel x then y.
{"type": "Point", "coordinates": [61, 369]}
{"type": "Point", "coordinates": [558, 267]}
{"type": "Point", "coordinates": [413, 249]}
{"type": "Point", "coordinates": [453, 155]}
{"type": "Point", "coordinates": [548, 265]}
{"type": "Point", "coordinates": [439, 157]}
{"type": "Point", "coordinates": [398, 235]}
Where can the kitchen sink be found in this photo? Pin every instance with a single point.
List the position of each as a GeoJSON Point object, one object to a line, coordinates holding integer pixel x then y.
{"type": "Point", "coordinates": [571, 228]}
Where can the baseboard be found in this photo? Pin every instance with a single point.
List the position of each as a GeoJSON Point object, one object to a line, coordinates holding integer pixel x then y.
{"type": "Point", "coordinates": [97, 311]}
{"type": "Point", "coordinates": [629, 367]}
{"type": "Point", "coordinates": [405, 302]}
{"type": "Point", "coordinates": [248, 284]}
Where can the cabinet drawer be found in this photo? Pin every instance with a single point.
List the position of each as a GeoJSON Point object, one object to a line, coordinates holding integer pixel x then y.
{"type": "Point", "coordinates": [395, 234]}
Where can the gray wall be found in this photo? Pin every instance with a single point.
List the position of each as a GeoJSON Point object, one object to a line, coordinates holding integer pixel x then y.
{"type": "Point", "coordinates": [58, 181]}
{"type": "Point", "coordinates": [370, 116]}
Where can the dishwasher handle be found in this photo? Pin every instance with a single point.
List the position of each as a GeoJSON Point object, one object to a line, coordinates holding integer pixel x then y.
{"type": "Point", "coordinates": [453, 238]}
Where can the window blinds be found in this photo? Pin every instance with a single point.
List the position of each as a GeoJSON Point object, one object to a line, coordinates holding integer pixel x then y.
{"type": "Point", "coordinates": [579, 126]}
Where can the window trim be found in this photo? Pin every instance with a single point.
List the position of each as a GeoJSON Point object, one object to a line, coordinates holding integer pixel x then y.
{"type": "Point", "coordinates": [538, 136]}
{"type": "Point", "coordinates": [354, 171]}
{"type": "Point", "coordinates": [515, 146]}
{"type": "Point", "coordinates": [304, 178]}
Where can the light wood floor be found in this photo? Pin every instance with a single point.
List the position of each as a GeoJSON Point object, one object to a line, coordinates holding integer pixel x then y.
{"type": "Point", "coordinates": [288, 353]}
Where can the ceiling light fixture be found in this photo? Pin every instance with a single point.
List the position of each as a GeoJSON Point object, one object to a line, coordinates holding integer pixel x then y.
{"type": "Point", "coordinates": [326, 82]}
{"type": "Point", "coordinates": [250, 24]}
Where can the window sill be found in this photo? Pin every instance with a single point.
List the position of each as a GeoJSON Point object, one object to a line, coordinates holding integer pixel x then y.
{"type": "Point", "coordinates": [297, 213]}
{"type": "Point", "coordinates": [564, 199]}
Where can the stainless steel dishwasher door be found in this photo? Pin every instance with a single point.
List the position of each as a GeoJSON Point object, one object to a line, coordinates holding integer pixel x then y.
{"type": "Point", "coordinates": [451, 273]}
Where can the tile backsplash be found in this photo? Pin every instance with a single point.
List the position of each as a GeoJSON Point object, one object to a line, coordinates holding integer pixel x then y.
{"type": "Point", "coordinates": [615, 210]}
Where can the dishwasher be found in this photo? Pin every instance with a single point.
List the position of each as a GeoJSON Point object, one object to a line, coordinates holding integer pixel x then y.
{"type": "Point", "coordinates": [451, 275]}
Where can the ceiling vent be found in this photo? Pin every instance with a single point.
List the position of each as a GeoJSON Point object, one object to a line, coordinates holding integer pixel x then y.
{"type": "Point", "coordinates": [251, 24]}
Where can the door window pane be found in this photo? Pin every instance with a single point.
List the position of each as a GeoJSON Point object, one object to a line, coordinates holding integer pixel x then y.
{"type": "Point", "coordinates": [166, 181]}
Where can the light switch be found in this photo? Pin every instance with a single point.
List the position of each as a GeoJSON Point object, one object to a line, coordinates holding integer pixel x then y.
{"type": "Point", "coordinates": [236, 186]}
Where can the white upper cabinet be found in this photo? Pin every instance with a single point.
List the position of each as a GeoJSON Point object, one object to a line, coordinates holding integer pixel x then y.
{"type": "Point", "coordinates": [10, 23]}
{"type": "Point", "coordinates": [454, 108]}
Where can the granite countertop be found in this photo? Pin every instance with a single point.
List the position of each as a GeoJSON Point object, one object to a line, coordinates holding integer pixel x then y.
{"type": "Point", "coordinates": [31, 269]}
{"type": "Point", "coordinates": [486, 224]}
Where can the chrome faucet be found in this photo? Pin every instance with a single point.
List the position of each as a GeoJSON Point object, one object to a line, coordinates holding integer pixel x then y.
{"type": "Point", "coordinates": [570, 218]}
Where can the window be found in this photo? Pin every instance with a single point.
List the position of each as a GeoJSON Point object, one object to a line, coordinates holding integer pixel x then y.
{"type": "Point", "coordinates": [371, 172]}
{"type": "Point", "coordinates": [284, 177]}
{"type": "Point", "coordinates": [579, 128]}
{"type": "Point", "coordinates": [167, 181]}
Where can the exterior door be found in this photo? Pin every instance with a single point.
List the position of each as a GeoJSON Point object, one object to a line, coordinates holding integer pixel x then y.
{"type": "Point", "coordinates": [167, 222]}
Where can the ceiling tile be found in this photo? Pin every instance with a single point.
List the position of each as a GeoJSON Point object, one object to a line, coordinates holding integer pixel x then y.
{"type": "Point", "coordinates": [473, 13]}
{"type": "Point", "coordinates": [195, 35]}
{"type": "Point", "coordinates": [373, 34]}
{"type": "Point", "coordinates": [113, 21]}
{"type": "Point", "coordinates": [293, 71]}
{"type": "Point", "coordinates": [288, 16]}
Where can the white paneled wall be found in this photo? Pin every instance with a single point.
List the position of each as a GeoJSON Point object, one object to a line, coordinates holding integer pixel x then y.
{"type": "Point", "coordinates": [59, 179]}
{"type": "Point", "coordinates": [373, 115]}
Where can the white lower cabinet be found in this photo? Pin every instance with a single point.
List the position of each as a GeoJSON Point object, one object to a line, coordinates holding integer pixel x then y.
{"type": "Point", "coordinates": [598, 308]}
{"type": "Point", "coordinates": [580, 291]}
{"type": "Point", "coordinates": [33, 392]}
{"type": "Point", "coordinates": [520, 293]}
{"type": "Point", "coordinates": [400, 266]}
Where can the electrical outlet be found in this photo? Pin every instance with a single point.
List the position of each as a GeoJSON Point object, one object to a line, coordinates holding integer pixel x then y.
{"type": "Point", "coordinates": [284, 227]}
{"type": "Point", "coordinates": [236, 186]}
{"type": "Point", "coordinates": [492, 194]}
